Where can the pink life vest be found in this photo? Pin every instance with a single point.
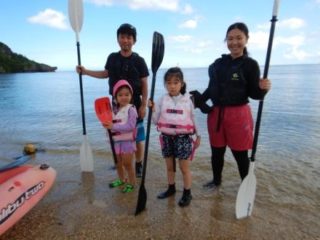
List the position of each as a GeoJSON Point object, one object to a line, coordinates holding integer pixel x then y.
{"type": "Point", "coordinates": [175, 117]}
{"type": "Point", "coordinates": [121, 117]}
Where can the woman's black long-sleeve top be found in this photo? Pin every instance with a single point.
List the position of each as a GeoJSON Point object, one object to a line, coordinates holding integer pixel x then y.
{"type": "Point", "coordinates": [233, 81]}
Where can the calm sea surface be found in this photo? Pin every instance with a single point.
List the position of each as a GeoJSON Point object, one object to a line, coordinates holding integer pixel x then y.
{"type": "Point", "coordinates": [44, 109]}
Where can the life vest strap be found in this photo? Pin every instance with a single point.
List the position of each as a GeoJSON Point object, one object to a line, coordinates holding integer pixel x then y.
{"type": "Point", "coordinates": [176, 126]}
{"type": "Point", "coordinates": [175, 111]}
{"type": "Point", "coordinates": [116, 133]}
{"type": "Point", "coordinates": [116, 120]}
{"type": "Point", "coordinates": [126, 136]}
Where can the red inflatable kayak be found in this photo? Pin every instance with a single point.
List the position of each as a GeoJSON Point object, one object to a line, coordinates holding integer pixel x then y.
{"type": "Point", "coordinates": [21, 188]}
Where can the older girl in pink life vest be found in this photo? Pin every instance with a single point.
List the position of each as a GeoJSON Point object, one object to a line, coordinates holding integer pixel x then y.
{"type": "Point", "coordinates": [174, 117]}
{"type": "Point", "coordinates": [123, 129]}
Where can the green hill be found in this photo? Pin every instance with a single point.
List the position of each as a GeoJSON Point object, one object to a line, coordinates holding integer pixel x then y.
{"type": "Point", "coordinates": [11, 62]}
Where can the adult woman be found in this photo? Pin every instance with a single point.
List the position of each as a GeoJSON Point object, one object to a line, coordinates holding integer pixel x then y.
{"type": "Point", "coordinates": [234, 78]}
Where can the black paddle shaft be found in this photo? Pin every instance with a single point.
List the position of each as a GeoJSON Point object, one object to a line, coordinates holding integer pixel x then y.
{"type": "Point", "coordinates": [265, 75]}
{"type": "Point", "coordinates": [148, 131]}
{"type": "Point", "coordinates": [158, 46]}
{"type": "Point", "coordinates": [81, 92]}
{"type": "Point", "coordinates": [157, 57]}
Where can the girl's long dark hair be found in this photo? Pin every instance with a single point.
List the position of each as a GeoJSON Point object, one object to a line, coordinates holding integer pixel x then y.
{"type": "Point", "coordinates": [243, 28]}
{"type": "Point", "coordinates": [176, 72]}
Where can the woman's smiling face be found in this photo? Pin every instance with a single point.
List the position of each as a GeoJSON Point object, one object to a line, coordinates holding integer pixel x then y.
{"type": "Point", "coordinates": [236, 42]}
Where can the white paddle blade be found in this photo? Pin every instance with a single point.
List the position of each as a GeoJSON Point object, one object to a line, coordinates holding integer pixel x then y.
{"type": "Point", "coordinates": [246, 194]}
{"type": "Point", "coordinates": [76, 14]}
{"type": "Point", "coordinates": [86, 159]}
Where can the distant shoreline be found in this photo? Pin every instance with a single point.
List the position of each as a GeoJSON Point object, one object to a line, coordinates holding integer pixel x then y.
{"type": "Point", "coordinates": [205, 67]}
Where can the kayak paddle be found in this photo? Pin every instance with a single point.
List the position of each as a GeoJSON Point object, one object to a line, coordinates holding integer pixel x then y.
{"type": "Point", "coordinates": [76, 19]}
{"type": "Point", "coordinates": [156, 60]}
{"type": "Point", "coordinates": [104, 113]}
{"type": "Point", "coordinates": [247, 190]}
{"type": "Point", "coordinates": [103, 109]}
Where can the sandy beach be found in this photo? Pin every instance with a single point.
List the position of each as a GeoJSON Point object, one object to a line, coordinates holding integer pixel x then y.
{"type": "Point", "coordinates": [82, 206]}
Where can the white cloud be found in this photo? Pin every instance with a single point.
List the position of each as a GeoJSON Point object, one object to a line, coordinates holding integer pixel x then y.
{"type": "Point", "coordinates": [102, 2]}
{"type": "Point", "coordinates": [293, 47]}
{"type": "Point", "coordinates": [192, 23]}
{"type": "Point", "coordinates": [292, 23]}
{"type": "Point", "coordinates": [199, 47]}
{"type": "Point", "coordinates": [51, 18]}
{"type": "Point", "coordinates": [180, 38]}
{"type": "Point", "coordinates": [264, 26]}
{"type": "Point", "coordinates": [294, 41]}
{"type": "Point", "coordinates": [187, 9]}
{"type": "Point", "coordinates": [171, 5]}
{"type": "Point", "coordinates": [168, 5]}
{"type": "Point", "coordinates": [258, 40]}
{"type": "Point", "coordinates": [296, 54]}
{"type": "Point", "coordinates": [188, 44]}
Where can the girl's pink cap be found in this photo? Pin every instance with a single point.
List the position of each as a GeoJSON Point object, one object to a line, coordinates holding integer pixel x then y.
{"type": "Point", "coordinates": [120, 84]}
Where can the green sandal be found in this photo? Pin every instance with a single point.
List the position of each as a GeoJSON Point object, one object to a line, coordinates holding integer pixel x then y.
{"type": "Point", "coordinates": [128, 188]}
{"type": "Point", "coordinates": [116, 183]}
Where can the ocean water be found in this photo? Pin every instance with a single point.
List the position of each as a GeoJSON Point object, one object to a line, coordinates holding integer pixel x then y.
{"type": "Point", "coordinates": [44, 109]}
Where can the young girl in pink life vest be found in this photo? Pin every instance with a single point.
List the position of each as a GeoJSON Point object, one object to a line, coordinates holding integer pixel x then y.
{"type": "Point", "coordinates": [123, 129]}
{"type": "Point", "coordinates": [174, 116]}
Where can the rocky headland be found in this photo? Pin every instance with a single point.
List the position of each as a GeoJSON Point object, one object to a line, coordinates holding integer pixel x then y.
{"type": "Point", "coordinates": [11, 62]}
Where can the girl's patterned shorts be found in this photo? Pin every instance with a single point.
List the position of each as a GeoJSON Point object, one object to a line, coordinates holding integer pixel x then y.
{"type": "Point", "coordinates": [178, 146]}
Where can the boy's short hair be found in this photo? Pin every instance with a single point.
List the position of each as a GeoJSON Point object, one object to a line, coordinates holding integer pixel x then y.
{"type": "Point", "coordinates": [127, 28]}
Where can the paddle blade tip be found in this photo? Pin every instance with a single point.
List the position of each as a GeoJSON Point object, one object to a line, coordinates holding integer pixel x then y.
{"type": "Point", "coordinates": [246, 196]}
{"type": "Point", "coordinates": [157, 51]}
{"type": "Point", "coordinates": [142, 200]}
{"type": "Point", "coordinates": [75, 9]}
{"type": "Point", "coordinates": [103, 109]}
{"type": "Point", "coordinates": [86, 156]}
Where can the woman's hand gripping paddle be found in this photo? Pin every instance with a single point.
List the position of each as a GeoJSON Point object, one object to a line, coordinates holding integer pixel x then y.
{"type": "Point", "coordinates": [104, 113]}
{"type": "Point", "coordinates": [247, 190]}
{"type": "Point", "coordinates": [157, 57]}
{"type": "Point", "coordinates": [76, 19]}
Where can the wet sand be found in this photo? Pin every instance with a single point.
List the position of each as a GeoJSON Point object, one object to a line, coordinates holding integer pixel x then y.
{"type": "Point", "coordinates": [81, 206]}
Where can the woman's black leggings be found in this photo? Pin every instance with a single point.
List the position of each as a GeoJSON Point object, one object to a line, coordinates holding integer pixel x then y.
{"type": "Point", "coordinates": [217, 161]}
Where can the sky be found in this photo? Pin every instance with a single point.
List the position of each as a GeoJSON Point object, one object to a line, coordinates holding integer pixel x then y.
{"type": "Point", "coordinates": [194, 30]}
